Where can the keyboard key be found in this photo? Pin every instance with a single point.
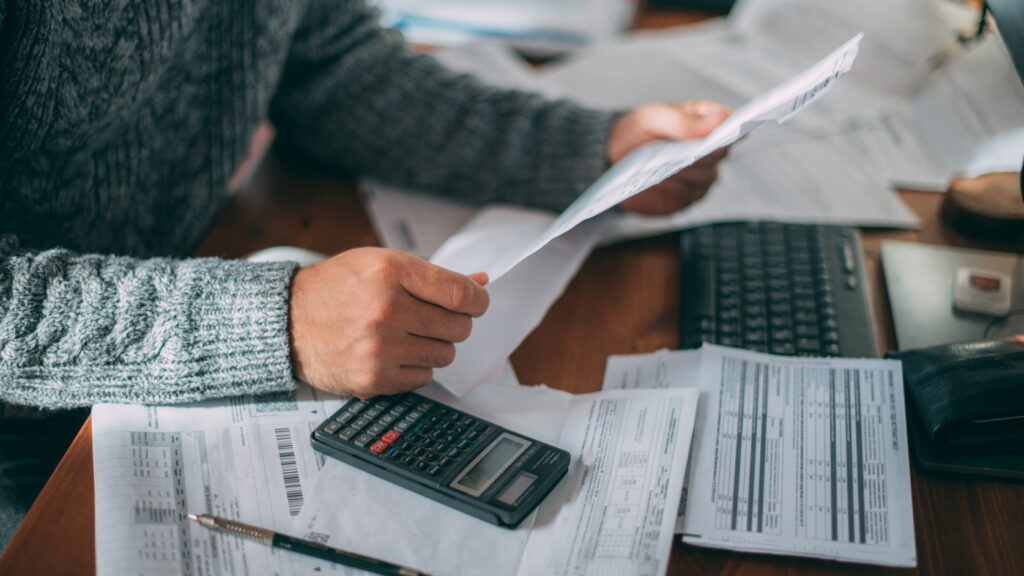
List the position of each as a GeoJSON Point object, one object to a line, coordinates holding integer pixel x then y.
{"type": "Point", "coordinates": [390, 436]}
{"type": "Point", "coordinates": [379, 446]}
{"type": "Point", "coordinates": [347, 433]}
{"type": "Point", "coordinates": [363, 439]}
{"type": "Point", "coordinates": [332, 427]}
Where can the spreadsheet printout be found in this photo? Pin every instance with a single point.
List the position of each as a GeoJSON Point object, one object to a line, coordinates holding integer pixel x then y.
{"type": "Point", "coordinates": [245, 458]}
{"type": "Point", "coordinates": [800, 456]}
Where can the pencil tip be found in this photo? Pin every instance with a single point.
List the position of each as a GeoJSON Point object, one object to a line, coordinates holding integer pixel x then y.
{"type": "Point", "coordinates": [193, 517]}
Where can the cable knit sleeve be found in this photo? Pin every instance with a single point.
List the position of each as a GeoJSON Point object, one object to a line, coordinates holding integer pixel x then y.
{"type": "Point", "coordinates": [357, 98]}
{"type": "Point", "coordinates": [81, 329]}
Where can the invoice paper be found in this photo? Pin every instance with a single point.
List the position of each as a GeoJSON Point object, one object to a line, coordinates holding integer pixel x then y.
{"type": "Point", "coordinates": [246, 459]}
{"type": "Point", "coordinates": [612, 514]}
{"type": "Point", "coordinates": [653, 163]}
{"type": "Point", "coordinates": [796, 456]}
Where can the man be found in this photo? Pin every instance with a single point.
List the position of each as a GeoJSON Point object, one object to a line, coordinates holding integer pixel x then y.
{"type": "Point", "coordinates": [120, 126]}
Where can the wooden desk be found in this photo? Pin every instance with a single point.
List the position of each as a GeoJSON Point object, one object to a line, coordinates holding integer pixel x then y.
{"type": "Point", "coordinates": [624, 300]}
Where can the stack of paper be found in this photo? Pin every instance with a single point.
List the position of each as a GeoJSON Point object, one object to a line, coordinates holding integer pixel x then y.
{"type": "Point", "coordinates": [250, 459]}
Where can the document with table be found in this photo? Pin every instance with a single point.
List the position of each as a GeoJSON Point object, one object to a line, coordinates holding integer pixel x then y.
{"type": "Point", "coordinates": [241, 458]}
{"type": "Point", "coordinates": [795, 456]}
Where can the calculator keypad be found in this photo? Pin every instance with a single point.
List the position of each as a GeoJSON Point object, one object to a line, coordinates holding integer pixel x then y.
{"type": "Point", "coordinates": [409, 430]}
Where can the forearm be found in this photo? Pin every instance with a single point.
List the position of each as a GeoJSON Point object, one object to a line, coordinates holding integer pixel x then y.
{"type": "Point", "coordinates": [77, 330]}
{"type": "Point", "coordinates": [361, 101]}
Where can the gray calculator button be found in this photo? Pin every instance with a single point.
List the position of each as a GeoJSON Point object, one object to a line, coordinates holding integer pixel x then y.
{"type": "Point", "coordinates": [386, 419]}
{"type": "Point", "coordinates": [347, 433]}
{"type": "Point", "coordinates": [362, 422]}
{"type": "Point", "coordinates": [374, 411]}
{"type": "Point", "coordinates": [363, 439]}
{"type": "Point", "coordinates": [332, 427]}
{"type": "Point", "coordinates": [344, 417]}
{"type": "Point", "coordinates": [397, 411]}
{"type": "Point", "coordinates": [376, 429]}
{"type": "Point", "coordinates": [402, 426]}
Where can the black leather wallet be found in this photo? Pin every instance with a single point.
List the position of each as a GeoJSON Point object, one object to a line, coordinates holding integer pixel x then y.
{"type": "Point", "coordinates": [966, 405]}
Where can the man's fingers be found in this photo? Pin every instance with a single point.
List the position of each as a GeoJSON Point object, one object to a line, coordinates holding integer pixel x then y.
{"type": "Point", "coordinates": [426, 353]}
{"type": "Point", "coordinates": [431, 321]}
{"type": "Point", "coordinates": [444, 288]}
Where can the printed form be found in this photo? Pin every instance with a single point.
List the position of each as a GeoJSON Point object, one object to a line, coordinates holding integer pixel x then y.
{"type": "Point", "coordinates": [796, 456]}
{"type": "Point", "coordinates": [246, 459]}
{"type": "Point", "coordinates": [613, 513]}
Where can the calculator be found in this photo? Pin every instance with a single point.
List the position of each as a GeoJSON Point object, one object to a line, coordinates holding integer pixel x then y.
{"type": "Point", "coordinates": [444, 454]}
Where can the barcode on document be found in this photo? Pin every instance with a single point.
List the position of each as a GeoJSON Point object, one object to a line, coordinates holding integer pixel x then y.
{"type": "Point", "coordinates": [289, 470]}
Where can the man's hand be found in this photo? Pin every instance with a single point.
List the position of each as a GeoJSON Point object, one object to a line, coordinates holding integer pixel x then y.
{"type": "Point", "coordinates": [374, 321]}
{"type": "Point", "coordinates": [679, 121]}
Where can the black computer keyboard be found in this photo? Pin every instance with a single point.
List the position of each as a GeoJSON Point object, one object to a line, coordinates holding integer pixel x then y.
{"type": "Point", "coordinates": [782, 288]}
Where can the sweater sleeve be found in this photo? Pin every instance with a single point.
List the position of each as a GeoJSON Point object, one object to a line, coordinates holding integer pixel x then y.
{"type": "Point", "coordinates": [82, 329]}
{"type": "Point", "coordinates": [355, 97]}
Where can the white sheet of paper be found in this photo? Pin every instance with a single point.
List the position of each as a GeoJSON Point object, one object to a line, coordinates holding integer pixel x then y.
{"type": "Point", "coordinates": [624, 443]}
{"type": "Point", "coordinates": [902, 37]}
{"type": "Point", "coordinates": [614, 512]}
{"type": "Point", "coordinates": [655, 162]}
{"type": "Point", "coordinates": [519, 299]}
{"type": "Point", "coordinates": [795, 456]}
{"type": "Point", "coordinates": [796, 180]}
{"type": "Point", "coordinates": [412, 222]}
{"type": "Point", "coordinates": [970, 114]}
{"type": "Point", "coordinates": [247, 459]}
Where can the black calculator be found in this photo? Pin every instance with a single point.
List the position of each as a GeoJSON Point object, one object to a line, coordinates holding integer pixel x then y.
{"type": "Point", "coordinates": [444, 454]}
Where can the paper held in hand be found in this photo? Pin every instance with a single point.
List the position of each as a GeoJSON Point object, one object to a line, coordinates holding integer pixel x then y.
{"type": "Point", "coordinates": [653, 163]}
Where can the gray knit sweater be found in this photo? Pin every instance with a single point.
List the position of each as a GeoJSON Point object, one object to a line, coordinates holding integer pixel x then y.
{"type": "Point", "coordinates": [121, 123]}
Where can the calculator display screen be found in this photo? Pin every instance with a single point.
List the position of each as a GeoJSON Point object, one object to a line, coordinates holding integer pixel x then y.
{"type": "Point", "coordinates": [490, 464]}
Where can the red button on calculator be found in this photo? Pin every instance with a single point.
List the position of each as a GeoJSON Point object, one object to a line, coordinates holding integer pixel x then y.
{"type": "Point", "coordinates": [379, 446]}
{"type": "Point", "coordinates": [390, 436]}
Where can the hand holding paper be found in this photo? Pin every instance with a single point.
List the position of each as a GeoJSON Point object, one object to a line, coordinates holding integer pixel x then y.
{"type": "Point", "coordinates": [653, 163]}
{"type": "Point", "coordinates": [677, 121]}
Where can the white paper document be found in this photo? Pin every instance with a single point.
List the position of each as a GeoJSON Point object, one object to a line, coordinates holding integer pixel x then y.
{"type": "Point", "coordinates": [246, 459]}
{"type": "Point", "coordinates": [612, 514]}
{"type": "Point", "coordinates": [795, 456]}
{"type": "Point", "coordinates": [519, 299]}
{"type": "Point", "coordinates": [655, 162]}
{"type": "Point", "coordinates": [412, 222]}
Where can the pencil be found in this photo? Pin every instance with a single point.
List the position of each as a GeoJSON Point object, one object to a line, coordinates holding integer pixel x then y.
{"type": "Point", "coordinates": [307, 547]}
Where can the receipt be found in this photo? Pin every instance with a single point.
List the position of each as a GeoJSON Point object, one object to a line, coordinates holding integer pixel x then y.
{"type": "Point", "coordinates": [246, 459]}
{"type": "Point", "coordinates": [614, 513]}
